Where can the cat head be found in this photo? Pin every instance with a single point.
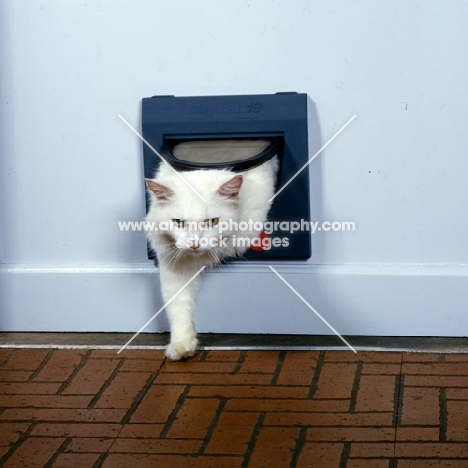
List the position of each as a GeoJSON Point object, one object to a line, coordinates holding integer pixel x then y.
{"type": "Point", "coordinates": [185, 222]}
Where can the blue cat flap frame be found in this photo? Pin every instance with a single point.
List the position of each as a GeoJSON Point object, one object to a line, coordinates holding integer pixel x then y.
{"type": "Point", "coordinates": [281, 116]}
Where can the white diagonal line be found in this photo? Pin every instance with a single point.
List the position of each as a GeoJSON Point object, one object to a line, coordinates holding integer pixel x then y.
{"type": "Point", "coordinates": [160, 157]}
{"type": "Point", "coordinates": [312, 158]}
{"type": "Point", "coordinates": [161, 309]}
{"type": "Point", "coordinates": [311, 308]}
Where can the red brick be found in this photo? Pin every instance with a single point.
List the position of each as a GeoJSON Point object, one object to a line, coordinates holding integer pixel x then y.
{"type": "Point", "coordinates": [376, 393]}
{"type": "Point", "coordinates": [5, 354]}
{"type": "Point", "coordinates": [115, 460]}
{"type": "Point", "coordinates": [289, 405]}
{"type": "Point", "coordinates": [436, 381]}
{"type": "Point", "coordinates": [432, 463]}
{"type": "Point", "coordinates": [91, 377]}
{"type": "Point", "coordinates": [457, 421]}
{"type": "Point", "coordinates": [350, 434]}
{"type": "Point", "coordinates": [149, 354]}
{"type": "Point", "coordinates": [244, 391]}
{"type": "Point", "coordinates": [362, 356]}
{"type": "Point", "coordinates": [262, 362]}
{"type": "Point", "coordinates": [60, 366]}
{"type": "Point", "coordinates": [199, 367]}
{"type": "Point", "coordinates": [198, 356]}
{"type": "Point", "coordinates": [212, 379]}
{"type": "Point", "coordinates": [274, 447]}
{"type": "Point", "coordinates": [48, 414]}
{"type": "Point", "coordinates": [298, 368]}
{"type": "Point", "coordinates": [14, 376]}
{"type": "Point", "coordinates": [156, 446]}
{"type": "Point", "coordinates": [46, 401]}
{"type": "Point", "coordinates": [34, 452]}
{"type": "Point", "coordinates": [141, 431]}
{"type": "Point", "coordinates": [381, 369]}
{"type": "Point", "coordinates": [223, 356]}
{"type": "Point", "coordinates": [157, 404]}
{"type": "Point", "coordinates": [141, 365]}
{"type": "Point", "coordinates": [374, 450]}
{"type": "Point", "coordinates": [431, 450]}
{"type": "Point", "coordinates": [457, 393]}
{"type": "Point", "coordinates": [10, 433]}
{"type": "Point", "coordinates": [89, 445]}
{"type": "Point", "coordinates": [456, 357]}
{"type": "Point", "coordinates": [374, 463]}
{"type": "Point", "coordinates": [232, 433]}
{"type": "Point", "coordinates": [123, 390]}
{"type": "Point", "coordinates": [29, 388]}
{"type": "Point", "coordinates": [329, 419]}
{"type": "Point", "coordinates": [420, 406]}
{"type": "Point", "coordinates": [320, 454]}
{"type": "Point", "coordinates": [421, 357]}
{"type": "Point", "coordinates": [4, 449]}
{"type": "Point", "coordinates": [26, 359]}
{"type": "Point", "coordinates": [436, 369]}
{"type": "Point", "coordinates": [414, 434]}
{"type": "Point", "coordinates": [335, 381]}
{"type": "Point", "coordinates": [194, 418]}
{"type": "Point", "coordinates": [76, 460]}
{"type": "Point", "coordinates": [209, 377]}
{"type": "Point", "coordinates": [76, 430]}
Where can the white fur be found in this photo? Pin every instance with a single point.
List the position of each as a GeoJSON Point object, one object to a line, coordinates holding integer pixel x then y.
{"type": "Point", "coordinates": [178, 262]}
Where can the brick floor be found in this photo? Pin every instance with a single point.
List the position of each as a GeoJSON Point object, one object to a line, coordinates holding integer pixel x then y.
{"type": "Point", "coordinates": [95, 408]}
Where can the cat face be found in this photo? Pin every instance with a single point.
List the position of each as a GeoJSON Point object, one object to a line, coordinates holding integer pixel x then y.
{"type": "Point", "coordinates": [188, 225]}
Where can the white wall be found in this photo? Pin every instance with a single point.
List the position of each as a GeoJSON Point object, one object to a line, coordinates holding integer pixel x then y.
{"type": "Point", "coordinates": [70, 169]}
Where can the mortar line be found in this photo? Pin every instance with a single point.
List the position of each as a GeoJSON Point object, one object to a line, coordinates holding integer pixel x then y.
{"type": "Point", "coordinates": [443, 416]}
{"type": "Point", "coordinates": [102, 458]}
{"type": "Point", "coordinates": [355, 388]}
{"type": "Point", "coordinates": [173, 416]}
{"type": "Point", "coordinates": [9, 358]}
{"type": "Point", "coordinates": [138, 398]}
{"type": "Point", "coordinates": [300, 442]}
{"type": "Point", "coordinates": [16, 445]}
{"type": "Point", "coordinates": [41, 365]}
{"type": "Point", "coordinates": [397, 408]}
{"type": "Point", "coordinates": [240, 362]}
{"type": "Point", "coordinates": [106, 384]}
{"type": "Point", "coordinates": [316, 376]}
{"type": "Point", "coordinates": [84, 359]}
{"type": "Point", "coordinates": [345, 454]}
{"type": "Point", "coordinates": [253, 440]}
{"type": "Point", "coordinates": [279, 366]}
{"type": "Point", "coordinates": [58, 452]}
{"type": "Point", "coordinates": [213, 425]}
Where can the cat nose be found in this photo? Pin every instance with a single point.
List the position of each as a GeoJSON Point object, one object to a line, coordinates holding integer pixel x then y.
{"type": "Point", "coordinates": [194, 245]}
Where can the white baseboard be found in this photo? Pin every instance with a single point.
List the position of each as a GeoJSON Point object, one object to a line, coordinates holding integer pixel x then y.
{"type": "Point", "coordinates": [377, 300]}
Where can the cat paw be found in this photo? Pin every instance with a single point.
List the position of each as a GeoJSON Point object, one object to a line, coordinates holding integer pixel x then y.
{"type": "Point", "coordinates": [178, 350]}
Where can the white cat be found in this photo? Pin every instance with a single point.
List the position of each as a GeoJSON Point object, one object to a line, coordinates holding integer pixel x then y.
{"type": "Point", "coordinates": [183, 248]}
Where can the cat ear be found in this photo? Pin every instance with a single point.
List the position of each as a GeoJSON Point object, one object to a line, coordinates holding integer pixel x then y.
{"type": "Point", "coordinates": [230, 189]}
{"type": "Point", "coordinates": [161, 192]}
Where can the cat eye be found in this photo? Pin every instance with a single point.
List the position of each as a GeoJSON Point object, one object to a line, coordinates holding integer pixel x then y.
{"type": "Point", "coordinates": [180, 223]}
{"type": "Point", "coordinates": [211, 222]}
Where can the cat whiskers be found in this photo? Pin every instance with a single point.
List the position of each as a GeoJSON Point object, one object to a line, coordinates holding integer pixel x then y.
{"type": "Point", "coordinates": [176, 254]}
{"type": "Point", "coordinates": [222, 261]}
{"type": "Point", "coordinates": [171, 254]}
{"type": "Point", "coordinates": [217, 260]}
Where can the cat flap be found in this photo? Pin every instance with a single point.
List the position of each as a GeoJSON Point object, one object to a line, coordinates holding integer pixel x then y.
{"type": "Point", "coordinates": [237, 155]}
{"type": "Point", "coordinates": [238, 132]}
